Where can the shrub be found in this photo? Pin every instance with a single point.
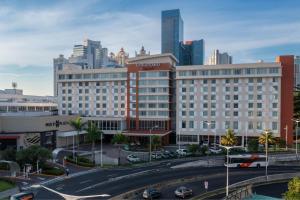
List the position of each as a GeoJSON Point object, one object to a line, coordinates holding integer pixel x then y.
{"type": "Point", "coordinates": [193, 148]}
{"type": "Point", "coordinates": [49, 170]}
{"type": "Point", "coordinates": [81, 161]}
{"type": "Point", "coordinates": [294, 189]}
{"type": "Point", "coordinates": [253, 145]}
{"type": "Point", "coordinates": [9, 154]}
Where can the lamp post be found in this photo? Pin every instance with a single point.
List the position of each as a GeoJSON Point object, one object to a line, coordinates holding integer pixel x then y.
{"type": "Point", "coordinates": [297, 123]}
{"type": "Point", "coordinates": [179, 141]}
{"type": "Point", "coordinates": [227, 166]}
{"type": "Point", "coordinates": [286, 138]}
{"type": "Point", "coordinates": [266, 147]}
{"type": "Point", "coordinates": [73, 146]}
{"type": "Point", "coordinates": [101, 155]}
{"type": "Point", "coordinates": [215, 135]}
{"type": "Point", "coordinates": [151, 141]}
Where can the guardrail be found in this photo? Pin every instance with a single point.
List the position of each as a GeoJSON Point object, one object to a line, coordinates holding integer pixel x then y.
{"type": "Point", "coordinates": [261, 180]}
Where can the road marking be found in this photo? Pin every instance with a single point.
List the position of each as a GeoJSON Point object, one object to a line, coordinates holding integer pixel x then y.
{"type": "Point", "coordinates": [82, 182]}
{"type": "Point", "coordinates": [115, 179]}
{"type": "Point", "coordinates": [60, 187]}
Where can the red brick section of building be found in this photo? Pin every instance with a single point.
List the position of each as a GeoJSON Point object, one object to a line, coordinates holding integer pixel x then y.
{"type": "Point", "coordinates": [287, 100]}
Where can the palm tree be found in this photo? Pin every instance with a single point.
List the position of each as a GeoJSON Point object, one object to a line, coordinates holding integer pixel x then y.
{"type": "Point", "coordinates": [266, 135]}
{"type": "Point", "coordinates": [119, 139]}
{"type": "Point", "coordinates": [93, 134]}
{"type": "Point", "coordinates": [77, 125]}
{"type": "Point", "coordinates": [156, 141]}
{"type": "Point", "coordinates": [229, 139]}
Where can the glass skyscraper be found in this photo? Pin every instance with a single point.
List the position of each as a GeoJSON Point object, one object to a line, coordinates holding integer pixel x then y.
{"type": "Point", "coordinates": [171, 32]}
{"type": "Point", "coordinates": [192, 52]}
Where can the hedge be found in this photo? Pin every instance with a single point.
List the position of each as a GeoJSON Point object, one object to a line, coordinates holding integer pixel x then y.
{"type": "Point", "coordinates": [81, 161]}
{"type": "Point", "coordinates": [49, 170]}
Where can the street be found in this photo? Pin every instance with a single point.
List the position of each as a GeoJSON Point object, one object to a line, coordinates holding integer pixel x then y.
{"type": "Point", "coordinates": [115, 182]}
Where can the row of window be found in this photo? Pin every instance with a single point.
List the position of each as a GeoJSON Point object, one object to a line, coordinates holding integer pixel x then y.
{"type": "Point", "coordinates": [87, 105]}
{"type": "Point", "coordinates": [87, 91]}
{"type": "Point", "coordinates": [97, 113]}
{"type": "Point", "coordinates": [104, 83]}
{"type": "Point", "coordinates": [102, 76]}
{"type": "Point", "coordinates": [150, 105]}
{"type": "Point", "coordinates": [226, 125]}
{"type": "Point", "coordinates": [227, 72]}
{"type": "Point", "coordinates": [87, 98]}
{"type": "Point", "coordinates": [25, 108]}
{"type": "Point", "coordinates": [227, 81]}
{"type": "Point", "coordinates": [150, 113]}
{"type": "Point", "coordinates": [227, 113]}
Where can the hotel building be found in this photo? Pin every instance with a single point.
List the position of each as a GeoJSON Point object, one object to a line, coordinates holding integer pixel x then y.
{"type": "Point", "coordinates": [150, 94]}
{"type": "Point", "coordinates": [247, 98]}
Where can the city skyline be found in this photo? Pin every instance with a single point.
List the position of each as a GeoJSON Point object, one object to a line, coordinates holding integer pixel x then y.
{"type": "Point", "coordinates": [33, 33]}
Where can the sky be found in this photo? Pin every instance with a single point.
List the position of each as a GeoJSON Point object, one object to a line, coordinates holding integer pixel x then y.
{"type": "Point", "coordinates": [33, 32]}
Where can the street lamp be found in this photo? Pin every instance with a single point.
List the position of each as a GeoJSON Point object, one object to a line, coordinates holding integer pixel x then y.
{"type": "Point", "coordinates": [101, 155]}
{"type": "Point", "coordinates": [74, 146]}
{"type": "Point", "coordinates": [267, 131]}
{"type": "Point", "coordinates": [297, 123]}
{"type": "Point", "coordinates": [208, 124]}
{"type": "Point", "coordinates": [151, 141]}
{"type": "Point", "coordinates": [286, 138]}
{"type": "Point", "coordinates": [227, 166]}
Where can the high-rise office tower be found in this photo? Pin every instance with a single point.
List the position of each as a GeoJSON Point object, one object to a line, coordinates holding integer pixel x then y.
{"type": "Point", "coordinates": [88, 55]}
{"type": "Point", "coordinates": [171, 32]}
{"type": "Point", "coordinates": [218, 58]}
{"type": "Point", "coordinates": [57, 65]}
{"type": "Point", "coordinates": [192, 53]}
{"type": "Point", "coordinates": [297, 72]}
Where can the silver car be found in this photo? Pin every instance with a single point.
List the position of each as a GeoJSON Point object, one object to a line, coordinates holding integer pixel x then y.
{"type": "Point", "coordinates": [183, 192]}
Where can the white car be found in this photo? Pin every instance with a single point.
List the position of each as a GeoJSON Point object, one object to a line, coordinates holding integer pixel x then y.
{"type": "Point", "coordinates": [183, 152]}
{"type": "Point", "coordinates": [215, 150]}
{"type": "Point", "coordinates": [133, 158]}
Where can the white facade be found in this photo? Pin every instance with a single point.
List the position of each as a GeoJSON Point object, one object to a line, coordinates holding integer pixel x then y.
{"type": "Point", "coordinates": [95, 94]}
{"type": "Point", "coordinates": [219, 58]}
{"type": "Point", "coordinates": [243, 97]}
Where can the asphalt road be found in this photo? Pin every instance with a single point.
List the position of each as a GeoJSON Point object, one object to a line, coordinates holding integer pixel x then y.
{"type": "Point", "coordinates": [109, 181]}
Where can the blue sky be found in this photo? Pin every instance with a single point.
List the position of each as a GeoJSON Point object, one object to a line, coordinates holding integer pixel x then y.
{"type": "Point", "coordinates": [32, 32]}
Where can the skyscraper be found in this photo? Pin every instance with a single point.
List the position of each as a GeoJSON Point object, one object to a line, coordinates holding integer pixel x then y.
{"type": "Point", "coordinates": [219, 58]}
{"type": "Point", "coordinates": [192, 52]}
{"type": "Point", "coordinates": [171, 32]}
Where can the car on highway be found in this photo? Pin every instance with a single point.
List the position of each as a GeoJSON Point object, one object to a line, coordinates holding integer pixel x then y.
{"type": "Point", "coordinates": [183, 192]}
{"type": "Point", "coordinates": [151, 193]}
{"type": "Point", "coordinates": [23, 196]}
{"type": "Point", "coordinates": [183, 152]}
{"type": "Point", "coordinates": [133, 158]}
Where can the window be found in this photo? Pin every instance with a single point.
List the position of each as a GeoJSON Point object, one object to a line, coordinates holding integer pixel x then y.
{"type": "Point", "coordinates": [274, 113]}
{"type": "Point", "coordinates": [235, 125]}
{"type": "Point", "coordinates": [236, 89]}
{"type": "Point", "coordinates": [250, 105]}
{"type": "Point", "coordinates": [191, 105]}
{"type": "Point", "coordinates": [259, 97]}
{"type": "Point", "coordinates": [250, 113]}
{"type": "Point", "coordinates": [259, 105]}
{"type": "Point", "coordinates": [274, 126]}
{"type": "Point", "coordinates": [86, 91]}
{"type": "Point", "coordinates": [227, 124]}
{"type": "Point", "coordinates": [213, 97]}
{"type": "Point", "coordinates": [227, 113]}
{"type": "Point", "coordinates": [250, 125]}
{"type": "Point", "coordinates": [227, 105]}
{"type": "Point", "coordinates": [259, 113]}
{"type": "Point", "coordinates": [227, 97]}
{"type": "Point", "coordinates": [191, 89]}
{"type": "Point", "coordinates": [227, 89]}
{"type": "Point", "coordinates": [213, 113]}
{"type": "Point", "coordinates": [104, 98]}
{"type": "Point", "coordinates": [236, 97]}
{"type": "Point", "coordinates": [274, 105]}
{"type": "Point", "coordinates": [183, 124]}
{"type": "Point", "coordinates": [104, 105]}
{"type": "Point", "coordinates": [236, 113]}
{"type": "Point", "coordinates": [183, 89]}
{"type": "Point", "coordinates": [259, 125]}
{"type": "Point", "coordinates": [235, 105]}
{"type": "Point", "coordinates": [205, 105]}
{"type": "Point", "coordinates": [191, 124]}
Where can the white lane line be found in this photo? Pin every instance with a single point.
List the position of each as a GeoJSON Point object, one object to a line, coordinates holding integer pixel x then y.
{"type": "Point", "coordinates": [114, 179]}
{"type": "Point", "coordinates": [82, 182]}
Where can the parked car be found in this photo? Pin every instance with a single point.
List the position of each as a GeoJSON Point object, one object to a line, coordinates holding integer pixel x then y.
{"type": "Point", "coordinates": [172, 154]}
{"type": "Point", "coordinates": [156, 155]}
{"type": "Point", "coordinates": [183, 192]}
{"type": "Point", "coordinates": [205, 143]}
{"type": "Point", "coordinates": [183, 152]}
{"type": "Point", "coordinates": [133, 158]}
{"type": "Point", "coordinates": [215, 150]}
{"type": "Point", "coordinates": [151, 193]}
{"type": "Point", "coordinates": [165, 154]}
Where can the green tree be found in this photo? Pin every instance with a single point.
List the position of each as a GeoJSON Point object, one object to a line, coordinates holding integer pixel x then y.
{"type": "Point", "coordinates": [229, 139]}
{"type": "Point", "coordinates": [93, 134]}
{"type": "Point", "coordinates": [293, 192]}
{"type": "Point", "coordinates": [155, 141]}
{"type": "Point", "coordinates": [193, 148]}
{"type": "Point", "coordinates": [253, 145]}
{"type": "Point", "coordinates": [33, 154]}
{"type": "Point", "coordinates": [297, 103]}
{"type": "Point", "coordinates": [119, 139]}
{"type": "Point", "coordinates": [77, 125]}
{"type": "Point", "coordinates": [266, 135]}
{"type": "Point", "coordinates": [9, 154]}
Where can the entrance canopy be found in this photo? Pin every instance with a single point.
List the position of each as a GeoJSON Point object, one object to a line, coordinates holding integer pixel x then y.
{"type": "Point", "coordinates": [146, 133]}
{"type": "Point", "coordinates": [69, 133]}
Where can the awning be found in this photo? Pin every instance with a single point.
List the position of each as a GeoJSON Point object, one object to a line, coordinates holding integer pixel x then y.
{"type": "Point", "coordinates": [8, 137]}
{"type": "Point", "coordinates": [146, 134]}
{"type": "Point", "coordinates": [69, 133]}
